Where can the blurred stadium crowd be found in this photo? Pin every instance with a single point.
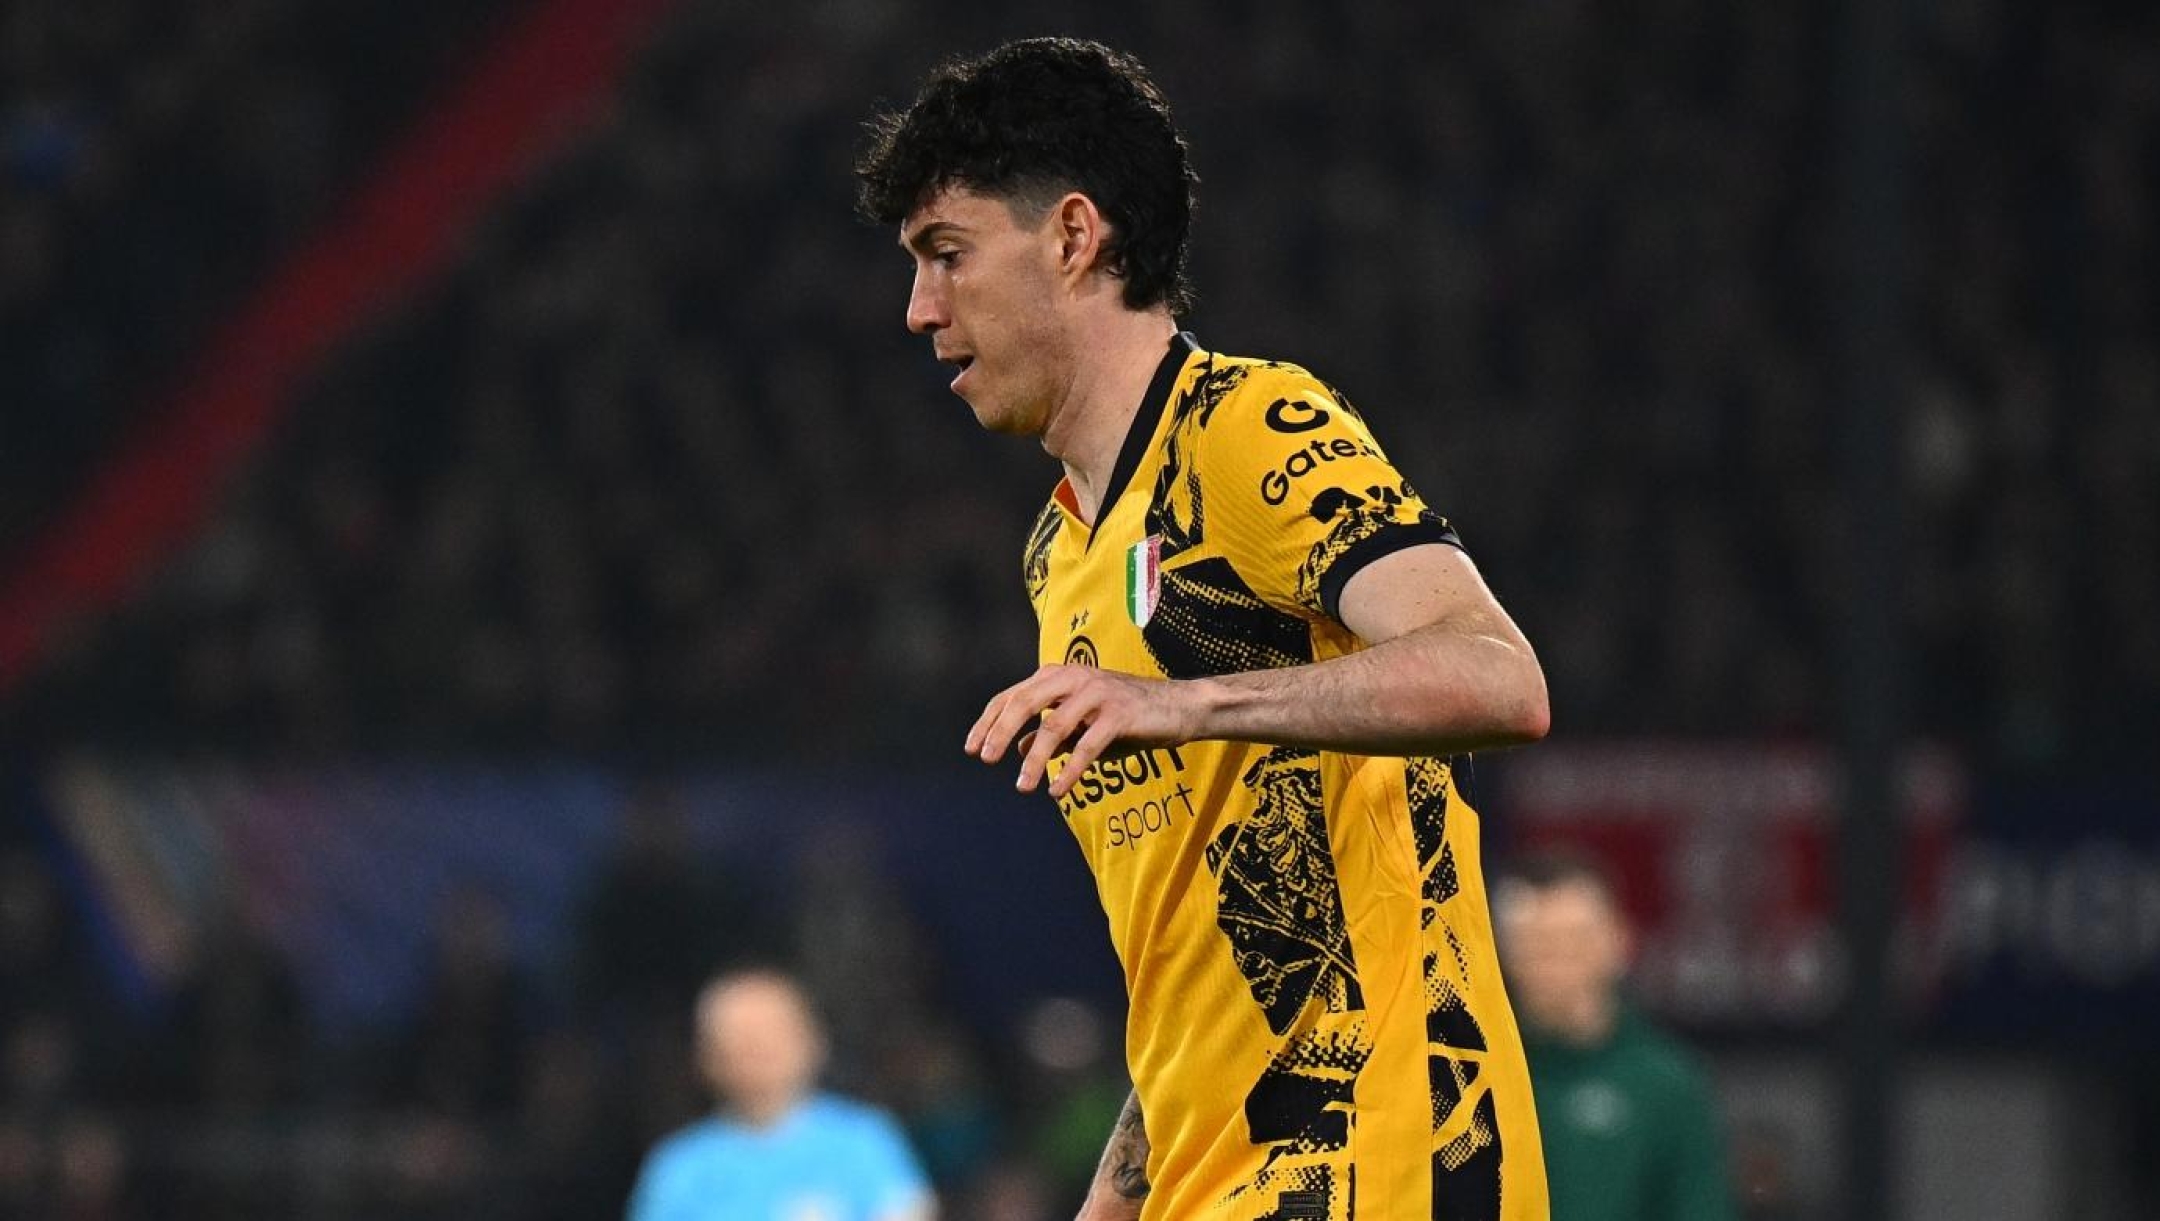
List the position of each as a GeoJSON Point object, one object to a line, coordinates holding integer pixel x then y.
{"type": "Point", "coordinates": [655, 472]}
{"type": "Point", "coordinates": [658, 464]}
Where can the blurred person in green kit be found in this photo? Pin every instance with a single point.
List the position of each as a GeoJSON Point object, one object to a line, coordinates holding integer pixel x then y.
{"type": "Point", "coordinates": [1626, 1115]}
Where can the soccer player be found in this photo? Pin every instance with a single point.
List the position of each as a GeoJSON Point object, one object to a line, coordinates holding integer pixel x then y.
{"type": "Point", "coordinates": [1262, 651]}
{"type": "Point", "coordinates": [1630, 1131]}
{"type": "Point", "coordinates": [778, 1150]}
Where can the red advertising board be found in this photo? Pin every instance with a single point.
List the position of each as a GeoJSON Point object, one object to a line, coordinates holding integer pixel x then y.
{"type": "Point", "coordinates": [1722, 853]}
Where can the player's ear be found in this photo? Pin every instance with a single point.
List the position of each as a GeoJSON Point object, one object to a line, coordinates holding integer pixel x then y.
{"type": "Point", "coordinates": [1081, 232]}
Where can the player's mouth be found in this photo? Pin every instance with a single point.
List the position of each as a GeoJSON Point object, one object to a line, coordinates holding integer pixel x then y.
{"type": "Point", "coordinates": [961, 362]}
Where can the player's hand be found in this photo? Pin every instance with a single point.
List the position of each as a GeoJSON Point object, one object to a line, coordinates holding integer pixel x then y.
{"type": "Point", "coordinates": [1093, 713]}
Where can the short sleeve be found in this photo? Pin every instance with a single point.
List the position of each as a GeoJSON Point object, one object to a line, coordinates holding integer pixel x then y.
{"type": "Point", "coordinates": [1298, 494]}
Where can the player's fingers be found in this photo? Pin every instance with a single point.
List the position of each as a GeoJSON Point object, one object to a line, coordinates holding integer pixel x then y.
{"type": "Point", "coordinates": [1045, 690]}
{"type": "Point", "coordinates": [1004, 716]}
{"type": "Point", "coordinates": [1059, 724]}
{"type": "Point", "coordinates": [1042, 746]}
{"type": "Point", "coordinates": [979, 733]}
{"type": "Point", "coordinates": [1098, 738]}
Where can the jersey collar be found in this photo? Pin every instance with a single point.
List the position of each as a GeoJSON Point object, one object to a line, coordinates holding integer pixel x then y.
{"type": "Point", "coordinates": [1139, 433]}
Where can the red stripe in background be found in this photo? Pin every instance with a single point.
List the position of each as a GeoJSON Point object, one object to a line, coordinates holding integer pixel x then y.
{"type": "Point", "coordinates": [524, 99]}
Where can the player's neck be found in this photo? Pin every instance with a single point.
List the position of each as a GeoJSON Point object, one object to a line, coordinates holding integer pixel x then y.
{"type": "Point", "coordinates": [1114, 365]}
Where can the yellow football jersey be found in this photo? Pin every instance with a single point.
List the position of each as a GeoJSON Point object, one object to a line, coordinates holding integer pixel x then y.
{"type": "Point", "coordinates": [1317, 1025]}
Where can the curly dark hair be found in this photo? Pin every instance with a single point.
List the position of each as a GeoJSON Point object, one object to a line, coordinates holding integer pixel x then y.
{"type": "Point", "coordinates": [1032, 120]}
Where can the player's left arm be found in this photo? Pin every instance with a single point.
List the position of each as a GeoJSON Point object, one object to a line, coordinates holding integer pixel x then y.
{"type": "Point", "coordinates": [1447, 671]}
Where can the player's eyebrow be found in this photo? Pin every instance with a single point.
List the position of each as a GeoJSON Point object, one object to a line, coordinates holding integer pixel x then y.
{"type": "Point", "coordinates": [920, 239]}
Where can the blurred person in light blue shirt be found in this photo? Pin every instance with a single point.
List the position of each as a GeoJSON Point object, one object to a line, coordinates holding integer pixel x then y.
{"type": "Point", "coordinates": [778, 1149]}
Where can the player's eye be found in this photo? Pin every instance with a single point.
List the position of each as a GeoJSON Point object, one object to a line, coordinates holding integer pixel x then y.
{"type": "Point", "coordinates": [948, 258]}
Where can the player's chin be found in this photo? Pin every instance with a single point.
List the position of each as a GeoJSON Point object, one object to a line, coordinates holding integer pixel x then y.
{"type": "Point", "coordinates": [999, 417]}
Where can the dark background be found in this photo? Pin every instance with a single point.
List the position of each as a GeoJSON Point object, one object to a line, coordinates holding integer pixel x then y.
{"type": "Point", "coordinates": [607, 598]}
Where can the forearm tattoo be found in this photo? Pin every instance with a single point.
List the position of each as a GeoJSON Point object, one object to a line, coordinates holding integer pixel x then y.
{"type": "Point", "coordinates": [1126, 1158]}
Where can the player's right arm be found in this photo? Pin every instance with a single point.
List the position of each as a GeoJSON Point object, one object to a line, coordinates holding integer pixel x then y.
{"type": "Point", "coordinates": [1121, 1183]}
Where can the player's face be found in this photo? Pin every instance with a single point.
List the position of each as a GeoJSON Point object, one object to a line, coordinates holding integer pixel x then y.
{"type": "Point", "coordinates": [986, 293]}
{"type": "Point", "coordinates": [758, 1046]}
{"type": "Point", "coordinates": [1564, 948]}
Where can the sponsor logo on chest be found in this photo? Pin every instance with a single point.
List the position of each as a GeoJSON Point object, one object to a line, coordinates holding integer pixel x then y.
{"type": "Point", "coordinates": [1138, 796]}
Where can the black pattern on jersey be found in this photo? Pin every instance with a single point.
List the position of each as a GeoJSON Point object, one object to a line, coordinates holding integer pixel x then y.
{"type": "Point", "coordinates": [1447, 1014]}
{"type": "Point", "coordinates": [1353, 517]}
{"type": "Point", "coordinates": [1466, 1171]}
{"type": "Point", "coordinates": [1425, 781]}
{"type": "Point", "coordinates": [1035, 561]}
{"type": "Point", "coordinates": [1343, 401]}
{"type": "Point", "coordinates": [1451, 1079]}
{"type": "Point", "coordinates": [1207, 620]}
{"type": "Point", "coordinates": [1278, 900]}
{"type": "Point", "coordinates": [1302, 1193]}
{"type": "Point", "coordinates": [1213, 386]}
{"type": "Point", "coordinates": [1176, 512]}
{"type": "Point", "coordinates": [1448, 1020]}
{"type": "Point", "coordinates": [1303, 1104]}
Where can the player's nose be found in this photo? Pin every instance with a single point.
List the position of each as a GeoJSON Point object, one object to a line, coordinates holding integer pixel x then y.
{"type": "Point", "coordinates": [926, 312]}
